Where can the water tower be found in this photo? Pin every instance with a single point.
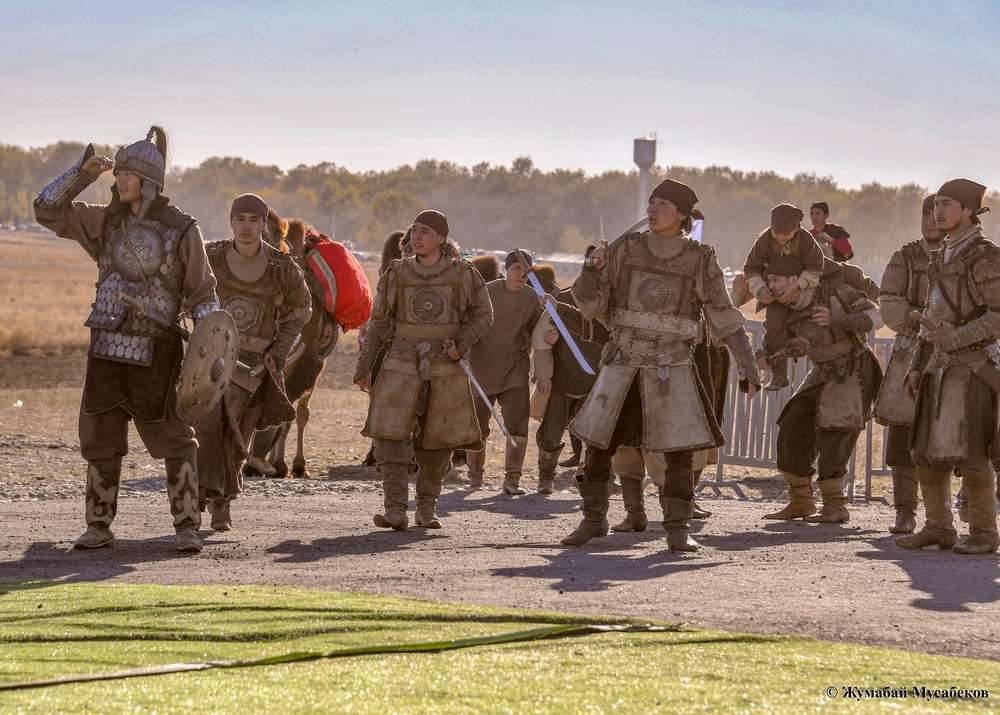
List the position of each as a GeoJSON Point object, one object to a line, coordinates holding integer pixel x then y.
{"type": "Point", "coordinates": [644, 156]}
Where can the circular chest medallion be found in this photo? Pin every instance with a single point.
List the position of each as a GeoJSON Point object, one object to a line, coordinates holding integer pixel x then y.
{"type": "Point", "coordinates": [245, 312]}
{"type": "Point", "coordinates": [427, 305]}
{"type": "Point", "coordinates": [654, 294]}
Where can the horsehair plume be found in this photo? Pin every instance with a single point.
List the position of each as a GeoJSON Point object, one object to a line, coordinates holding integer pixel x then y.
{"type": "Point", "coordinates": [158, 136]}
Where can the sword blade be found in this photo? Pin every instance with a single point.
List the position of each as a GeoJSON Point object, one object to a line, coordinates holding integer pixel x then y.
{"type": "Point", "coordinates": [560, 325]}
{"type": "Point", "coordinates": [486, 400]}
{"type": "Point", "coordinates": [641, 223]}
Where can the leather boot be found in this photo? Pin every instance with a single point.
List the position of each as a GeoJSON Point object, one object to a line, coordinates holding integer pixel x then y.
{"type": "Point", "coordinates": [635, 508]}
{"type": "Point", "coordinates": [103, 478]}
{"type": "Point", "coordinates": [980, 493]}
{"type": "Point", "coordinates": [576, 444]}
{"type": "Point", "coordinates": [834, 509]}
{"type": "Point", "coordinates": [222, 520]}
{"type": "Point", "coordinates": [904, 500]}
{"type": "Point", "coordinates": [800, 498]}
{"type": "Point", "coordinates": [938, 530]}
{"type": "Point", "coordinates": [429, 481]}
{"type": "Point", "coordinates": [676, 513]}
{"type": "Point", "coordinates": [182, 490]}
{"type": "Point", "coordinates": [696, 511]}
{"type": "Point", "coordinates": [513, 464]}
{"type": "Point", "coordinates": [395, 494]}
{"type": "Point", "coordinates": [779, 374]}
{"type": "Point", "coordinates": [476, 461]}
{"type": "Point", "coordinates": [547, 463]}
{"type": "Point", "coordinates": [595, 514]}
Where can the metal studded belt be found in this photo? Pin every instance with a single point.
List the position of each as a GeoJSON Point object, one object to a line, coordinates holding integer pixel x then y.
{"type": "Point", "coordinates": [132, 349]}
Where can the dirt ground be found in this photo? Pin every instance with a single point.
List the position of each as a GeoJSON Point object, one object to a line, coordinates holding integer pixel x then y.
{"type": "Point", "coordinates": [846, 583]}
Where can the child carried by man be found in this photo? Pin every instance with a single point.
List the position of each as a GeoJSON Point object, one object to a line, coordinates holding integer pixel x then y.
{"type": "Point", "coordinates": [786, 248]}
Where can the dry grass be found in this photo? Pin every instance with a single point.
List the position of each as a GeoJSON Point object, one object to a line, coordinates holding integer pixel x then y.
{"type": "Point", "coordinates": [46, 288]}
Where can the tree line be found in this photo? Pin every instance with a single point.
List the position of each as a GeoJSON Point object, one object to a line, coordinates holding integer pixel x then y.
{"type": "Point", "coordinates": [495, 207]}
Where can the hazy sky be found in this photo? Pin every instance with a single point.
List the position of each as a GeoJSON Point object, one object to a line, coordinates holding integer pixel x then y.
{"type": "Point", "coordinates": [885, 91]}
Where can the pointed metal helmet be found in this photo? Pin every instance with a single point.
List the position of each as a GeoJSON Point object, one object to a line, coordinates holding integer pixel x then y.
{"type": "Point", "coordinates": [144, 159]}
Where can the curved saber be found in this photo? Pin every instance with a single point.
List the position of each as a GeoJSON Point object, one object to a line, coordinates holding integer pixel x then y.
{"type": "Point", "coordinates": [464, 363]}
{"type": "Point", "coordinates": [638, 225]}
{"type": "Point", "coordinates": [550, 308]}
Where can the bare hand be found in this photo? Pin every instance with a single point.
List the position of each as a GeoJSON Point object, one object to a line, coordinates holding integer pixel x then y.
{"type": "Point", "coordinates": [752, 389]}
{"type": "Point", "coordinates": [97, 165]}
{"type": "Point", "coordinates": [551, 336]}
{"type": "Point", "coordinates": [365, 384]}
{"type": "Point", "coordinates": [451, 350]}
{"type": "Point", "coordinates": [821, 314]}
{"type": "Point", "coordinates": [790, 294]}
{"type": "Point", "coordinates": [544, 385]}
{"type": "Point", "coordinates": [913, 383]}
{"type": "Point", "coordinates": [764, 296]}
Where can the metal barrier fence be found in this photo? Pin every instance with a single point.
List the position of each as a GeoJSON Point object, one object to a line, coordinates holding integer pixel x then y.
{"type": "Point", "coordinates": [751, 431]}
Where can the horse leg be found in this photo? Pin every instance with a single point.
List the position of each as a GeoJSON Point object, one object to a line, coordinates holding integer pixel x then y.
{"type": "Point", "coordinates": [257, 464]}
{"type": "Point", "coordinates": [301, 420]}
{"type": "Point", "coordinates": [278, 452]}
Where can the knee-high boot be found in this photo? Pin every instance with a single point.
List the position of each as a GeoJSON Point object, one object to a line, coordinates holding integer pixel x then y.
{"type": "Point", "coordinates": [595, 514]}
{"type": "Point", "coordinates": [103, 478]}
{"type": "Point", "coordinates": [182, 490]}
{"type": "Point", "coordinates": [904, 500]}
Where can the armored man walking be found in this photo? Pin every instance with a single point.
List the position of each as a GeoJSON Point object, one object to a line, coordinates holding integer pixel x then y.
{"type": "Point", "coordinates": [430, 309]}
{"type": "Point", "coordinates": [654, 290]}
{"type": "Point", "coordinates": [266, 294]}
{"type": "Point", "coordinates": [955, 375]}
{"type": "Point", "coordinates": [151, 267]}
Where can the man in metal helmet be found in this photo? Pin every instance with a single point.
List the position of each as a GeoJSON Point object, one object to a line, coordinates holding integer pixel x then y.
{"type": "Point", "coordinates": [151, 267]}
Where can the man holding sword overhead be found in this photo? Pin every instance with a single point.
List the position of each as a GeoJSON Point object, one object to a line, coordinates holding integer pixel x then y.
{"type": "Point", "coordinates": [655, 290]}
{"type": "Point", "coordinates": [430, 308]}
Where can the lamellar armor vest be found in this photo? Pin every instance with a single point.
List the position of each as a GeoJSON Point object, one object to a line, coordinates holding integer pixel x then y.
{"type": "Point", "coordinates": [254, 306]}
{"type": "Point", "coordinates": [421, 394]}
{"type": "Point", "coordinates": [139, 286]}
{"type": "Point", "coordinates": [428, 309]}
{"type": "Point", "coordinates": [655, 317]}
{"type": "Point", "coordinates": [655, 311]}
